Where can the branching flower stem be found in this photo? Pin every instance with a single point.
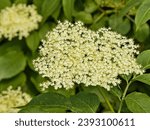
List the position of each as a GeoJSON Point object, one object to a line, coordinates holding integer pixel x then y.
{"type": "Point", "coordinates": [124, 94]}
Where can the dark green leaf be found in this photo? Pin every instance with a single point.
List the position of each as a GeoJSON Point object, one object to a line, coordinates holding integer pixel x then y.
{"type": "Point", "coordinates": [119, 24]}
{"type": "Point", "coordinates": [38, 4]}
{"type": "Point", "coordinates": [62, 91]}
{"type": "Point", "coordinates": [116, 91]}
{"type": "Point", "coordinates": [99, 24]}
{"type": "Point", "coordinates": [145, 78]}
{"type": "Point", "coordinates": [143, 14]}
{"type": "Point", "coordinates": [33, 41]}
{"type": "Point", "coordinates": [138, 102]}
{"type": "Point", "coordinates": [16, 81]}
{"type": "Point", "coordinates": [48, 8]}
{"type": "Point", "coordinates": [43, 30]}
{"type": "Point", "coordinates": [36, 79]}
{"type": "Point", "coordinates": [68, 6]}
{"type": "Point", "coordinates": [39, 109]}
{"type": "Point", "coordinates": [56, 13]}
{"type": "Point", "coordinates": [4, 3]}
{"type": "Point", "coordinates": [142, 33]}
{"type": "Point", "coordinates": [79, 5]}
{"type": "Point", "coordinates": [30, 58]}
{"type": "Point", "coordinates": [12, 62]}
{"type": "Point", "coordinates": [47, 102]}
{"type": "Point", "coordinates": [84, 17]}
{"type": "Point", "coordinates": [84, 102]}
{"type": "Point", "coordinates": [144, 59]}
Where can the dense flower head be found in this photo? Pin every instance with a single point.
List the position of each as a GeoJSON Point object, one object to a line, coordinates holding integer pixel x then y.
{"type": "Point", "coordinates": [18, 20]}
{"type": "Point", "coordinates": [10, 99]}
{"type": "Point", "coordinates": [72, 54]}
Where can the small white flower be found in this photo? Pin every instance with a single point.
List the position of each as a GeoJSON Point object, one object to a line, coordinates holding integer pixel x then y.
{"type": "Point", "coordinates": [10, 99]}
{"type": "Point", "coordinates": [18, 20]}
{"type": "Point", "coordinates": [72, 54]}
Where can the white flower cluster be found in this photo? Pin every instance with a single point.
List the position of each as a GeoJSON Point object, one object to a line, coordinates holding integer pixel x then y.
{"type": "Point", "coordinates": [10, 99]}
{"type": "Point", "coordinates": [72, 54]}
{"type": "Point", "coordinates": [18, 20]}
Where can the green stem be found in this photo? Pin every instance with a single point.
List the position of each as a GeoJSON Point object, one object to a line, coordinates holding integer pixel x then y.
{"type": "Point", "coordinates": [123, 96]}
{"type": "Point", "coordinates": [107, 101]}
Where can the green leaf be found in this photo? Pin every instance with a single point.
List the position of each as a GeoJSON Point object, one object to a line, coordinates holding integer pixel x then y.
{"type": "Point", "coordinates": [36, 79]}
{"type": "Point", "coordinates": [30, 58]}
{"type": "Point", "coordinates": [79, 5]}
{"type": "Point", "coordinates": [20, 1]}
{"type": "Point", "coordinates": [144, 59]}
{"type": "Point", "coordinates": [12, 61]}
{"type": "Point", "coordinates": [84, 17]}
{"type": "Point", "coordinates": [119, 24]}
{"type": "Point", "coordinates": [4, 3]}
{"type": "Point", "coordinates": [68, 6]}
{"type": "Point", "coordinates": [129, 5]}
{"type": "Point", "coordinates": [143, 14]}
{"type": "Point", "coordinates": [48, 8]}
{"type": "Point", "coordinates": [16, 81]}
{"type": "Point", "coordinates": [33, 41]}
{"type": "Point", "coordinates": [56, 13]}
{"type": "Point", "coordinates": [38, 4]}
{"type": "Point", "coordinates": [99, 24]}
{"type": "Point", "coordinates": [62, 91]}
{"type": "Point", "coordinates": [142, 33]}
{"type": "Point", "coordinates": [43, 30]}
{"type": "Point", "coordinates": [39, 109]}
{"type": "Point", "coordinates": [90, 6]}
{"type": "Point", "coordinates": [116, 91]}
{"type": "Point", "coordinates": [84, 102]}
{"type": "Point", "coordinates": [145, 78]}
{"type": "Point", "coordinates": [47, 102]}
{"type": "Point", "coordinates": [138, 102]}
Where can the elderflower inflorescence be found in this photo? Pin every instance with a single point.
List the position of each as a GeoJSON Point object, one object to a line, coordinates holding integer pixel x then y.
{"type": "Point", "coordinates": [10, 99]}
{"type": "Point", "coordinates": [18, 20]}
{"type": "Point", "coordinates": [72, 54]}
